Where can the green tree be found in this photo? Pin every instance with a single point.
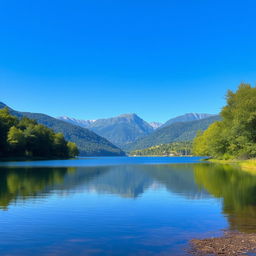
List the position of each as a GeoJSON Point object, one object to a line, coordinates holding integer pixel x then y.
{"type": "Point", "coordinates": [6, 122]}
{"type": "Point", "coordinates": [25, 137]}
{"type": "Point", "coordinates": [212, 142]}
{"type": "Point", "coordinates": [72, 149]}
{"type": "Point", "coordinates": [17, 141]}
{"type": "Point", "coordinates": [25, 122]}
{"type": "Point", "coordinates": [60, 145]}
{"type": "Point", "coordinates": [235, 135]}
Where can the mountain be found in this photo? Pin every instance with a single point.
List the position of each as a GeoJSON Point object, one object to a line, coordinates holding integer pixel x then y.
{"type": "Point", "coordinates": [187, 118]}
{"type": "Point", "coordinates": [88, 143]}
{"type": "Point", "coordinates": [155, 125]}
{"type": "Point", "coordinates": [79, 122]}
{"type": "Point", "coordinates": [180, 131]}
{"type": "Point", "coordinates": [119, 130]}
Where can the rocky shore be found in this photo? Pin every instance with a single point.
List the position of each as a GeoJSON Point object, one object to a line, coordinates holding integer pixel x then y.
{"type": "Point", "coordinates": [231, 244]}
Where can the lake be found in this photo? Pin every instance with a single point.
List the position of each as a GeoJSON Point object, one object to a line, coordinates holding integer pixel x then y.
{"type": "Point", "coordinates": [120, 205]}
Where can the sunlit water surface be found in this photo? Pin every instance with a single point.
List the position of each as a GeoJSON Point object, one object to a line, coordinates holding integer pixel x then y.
{"type": "Point", "coordinates": [120, 206]}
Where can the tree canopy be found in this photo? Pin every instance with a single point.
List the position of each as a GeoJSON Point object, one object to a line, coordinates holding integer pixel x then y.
{"type": "Point", "coordinates": [26, 138]}
{"type": "Point", "coordinates": [235, 135]}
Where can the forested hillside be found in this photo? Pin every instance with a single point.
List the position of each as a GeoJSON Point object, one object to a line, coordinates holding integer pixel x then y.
{"type": "Point", "coordinates": [182, 131]}
{"type": "Point", "coordinates": [171, 149]}
{"type": "Point", "coordinates": [88, 143]}
{"type": "Point", "coordinates": [26, 138]}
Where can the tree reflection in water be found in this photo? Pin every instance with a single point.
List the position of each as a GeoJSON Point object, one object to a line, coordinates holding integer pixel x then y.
{"type": "Point", "coordinates": [236, 188]}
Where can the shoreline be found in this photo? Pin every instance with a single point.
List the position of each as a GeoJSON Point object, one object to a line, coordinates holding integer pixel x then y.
{"type": "Point", "coordinates": [232, 243]}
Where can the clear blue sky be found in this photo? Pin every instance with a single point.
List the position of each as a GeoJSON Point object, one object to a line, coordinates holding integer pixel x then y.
{"type": "Point", "coordinates": [93, 58]}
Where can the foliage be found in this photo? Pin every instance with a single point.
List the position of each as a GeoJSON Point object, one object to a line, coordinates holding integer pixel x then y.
{"type": "Point", "coordinates": [235, 135]}
{"type": "Point", "coordinates": [175, 148]}
{"type": "Point", "coordinates": [88, 142]}
{"type": "Point", "coordinates": [72, 149]}
{"type": "Point", "coordinates": [27, 138]}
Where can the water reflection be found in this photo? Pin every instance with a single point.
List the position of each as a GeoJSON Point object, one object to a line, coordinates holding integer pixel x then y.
{"type": "Point", "coordinates": [125, 181]}
{"type": "Point", "coordinates": [236, 188]}
{"type": "Point", "coordinates": [23, 183]}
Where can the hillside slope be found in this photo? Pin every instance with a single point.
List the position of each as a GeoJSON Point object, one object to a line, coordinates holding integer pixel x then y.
{"type": "Point", "coordinates": [181, 131]}
{"type": "Point", "coordinates": [88, 143]}
{"type": "Point", "coordinates": [187, 118]}
{"type": "Point", "coordinates": [119, 130]}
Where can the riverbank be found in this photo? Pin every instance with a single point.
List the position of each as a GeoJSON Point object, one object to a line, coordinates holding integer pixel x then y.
{"type": "Point", "coordinates": [231, 243]}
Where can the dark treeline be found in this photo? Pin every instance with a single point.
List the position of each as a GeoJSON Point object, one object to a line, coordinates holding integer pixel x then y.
{"type": "Point", "coordinates": [234, 137]}
{"type": "Point", "coordinates": [26, 138]}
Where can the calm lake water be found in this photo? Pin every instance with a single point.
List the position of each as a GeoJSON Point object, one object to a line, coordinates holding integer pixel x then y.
{"type": "Point", "coordinates": [120, 206]}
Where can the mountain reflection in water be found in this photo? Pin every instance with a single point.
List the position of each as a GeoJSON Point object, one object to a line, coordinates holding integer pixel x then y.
{"type": "Point", "coordinates": [235, 188]}
{"type": "Point", "coordinates": [126, 181]}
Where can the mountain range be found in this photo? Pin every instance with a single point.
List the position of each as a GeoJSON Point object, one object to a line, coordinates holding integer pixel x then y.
{"type": "Point", "coordinates": [127, 132]}
{"type": "Point", "coordinates": [187, 118]}
{"type": "Point", "coordinates": [119, 130]}
{"type": "Point", "coordinates": [176, 131]}
{"type": "Point", "coordinates": [130, 132]}
{"type": "Point", "coordinates": [88, 142]}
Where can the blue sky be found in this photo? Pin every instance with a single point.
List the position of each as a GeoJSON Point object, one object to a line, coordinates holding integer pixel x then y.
{"type": "Point", "coordinates": [94, 59]}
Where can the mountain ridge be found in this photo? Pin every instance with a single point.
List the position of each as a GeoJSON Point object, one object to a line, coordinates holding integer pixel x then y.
{"type": "Point", "coordinates": [156, 125]}
{"type": "Point", "coordinates": [75, 121]}
{"type": "Point", "coordinates": [187, 118]}
{"type": "Point", "coordinates": [125, 129]}
{"type": "Point", "coordinates": [88, 142]}
{"type": "Point", "coordinates": [175, 132]}
{"type": "Point", "coordinates": [119, 130]}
